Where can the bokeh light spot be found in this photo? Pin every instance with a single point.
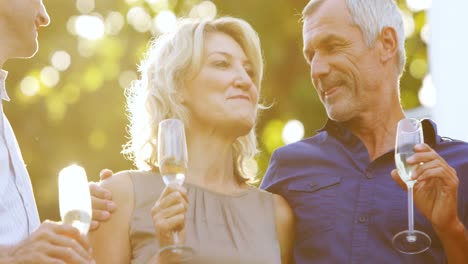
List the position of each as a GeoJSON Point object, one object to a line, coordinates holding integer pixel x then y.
{"type": "Point", "coordinates": [425, 31]}
{"type": "Point", "coordinates": [166, 21]}
{"type": "Point", "coordinates": [427, 94]}
{"type": "Point", "coordinates": [71, 25]}
{"type": "Point", "coordinates": [30, 86]}
{"type": "Point", "coordinates": [85, 6]}
{"type": "Point", "coordinates": [293, 131]}
{"type": "Point", "coordinates": [92, 79]}
{"type": "Point", "coordinates": [271, 135]}
{"type": "Point", "coordinates": [418, 5]}
{"type": "Point", "coordinates": [418, 68]}
{"type": "Point", "coordinates": [408, 23]}
{"type": "Point", "coordinates": [61, 60]}
{"type": "Point", "coordinates": [89, 27]}
{"type": "Point", "coordinates": [114, 23]}
{"type": "Point", "coordinates": [139, 19]}
{"type": "Point", "coordinates": [49, 76]}
{"type": "Point", "coordinates": [205, 9]}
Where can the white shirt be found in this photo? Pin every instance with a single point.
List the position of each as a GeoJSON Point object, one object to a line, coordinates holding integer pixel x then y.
{"type": "Point", "coordinates": [18, 211]}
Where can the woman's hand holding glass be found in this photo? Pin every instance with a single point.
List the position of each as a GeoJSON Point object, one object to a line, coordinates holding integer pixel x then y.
{"type": "Point", "coordinates": [168, 215]}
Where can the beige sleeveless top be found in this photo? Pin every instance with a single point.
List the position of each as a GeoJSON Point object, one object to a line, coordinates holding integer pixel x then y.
{"type": "Point", "coordinates": [220, 228]}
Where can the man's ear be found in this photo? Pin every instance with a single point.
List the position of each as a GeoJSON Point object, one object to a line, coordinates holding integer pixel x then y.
{"type": "Point", "coordinates": [389, 44]}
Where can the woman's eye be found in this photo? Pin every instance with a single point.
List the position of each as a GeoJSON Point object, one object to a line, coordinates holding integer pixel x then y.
{"type": "Point", "coordinates": [221, 63]}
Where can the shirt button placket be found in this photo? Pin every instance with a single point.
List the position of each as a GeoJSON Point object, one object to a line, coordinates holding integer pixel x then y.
{"type": "Point", "coordinates": [362, 219]}
{"type": "Point", "coordinates": [363, 206]}
{"type": "Point", "coordinates": [369, 174]}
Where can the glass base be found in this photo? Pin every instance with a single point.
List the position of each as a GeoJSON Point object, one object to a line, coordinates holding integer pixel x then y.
{"type": "Point", "coordinates": [176, 254]}
{"type": "Point", "coordinates": [411, 243]}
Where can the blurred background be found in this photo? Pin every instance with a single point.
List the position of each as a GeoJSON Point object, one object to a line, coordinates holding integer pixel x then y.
{"type": "Point", "coordinates": [68, 105]}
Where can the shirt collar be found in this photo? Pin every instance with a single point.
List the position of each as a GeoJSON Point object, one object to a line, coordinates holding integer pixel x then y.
{"type": "Point", "coordinates": [337, 130]}
{"type": "Point", "coordinates": [332, 126]}
{"type": "Point", "coordinates": [429, 130]}
{"type": "Point", "coordinates": [3, 93]}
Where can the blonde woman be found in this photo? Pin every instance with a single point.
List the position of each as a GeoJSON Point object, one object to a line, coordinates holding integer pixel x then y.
{"type": "Point", "coordinates": [208, 74]}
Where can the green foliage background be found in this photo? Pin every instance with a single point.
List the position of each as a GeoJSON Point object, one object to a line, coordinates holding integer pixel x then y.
{"type": "Point", "coordinates": [82, 119]}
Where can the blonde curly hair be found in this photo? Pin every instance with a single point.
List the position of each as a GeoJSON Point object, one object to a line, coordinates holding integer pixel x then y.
{"type": "Point", "coordinates": [154, 96]}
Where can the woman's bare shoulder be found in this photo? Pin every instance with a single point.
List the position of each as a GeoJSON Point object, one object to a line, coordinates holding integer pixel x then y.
{"type": "Point", "coordinates": [120, 181]}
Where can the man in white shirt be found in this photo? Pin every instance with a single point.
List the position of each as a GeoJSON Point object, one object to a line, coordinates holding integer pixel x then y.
{"type": "Point", "coordinates": [22, 238]}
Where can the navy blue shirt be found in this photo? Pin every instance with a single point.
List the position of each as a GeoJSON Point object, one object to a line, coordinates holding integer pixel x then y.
{"type": "Point", "coordinates": [348, 207]}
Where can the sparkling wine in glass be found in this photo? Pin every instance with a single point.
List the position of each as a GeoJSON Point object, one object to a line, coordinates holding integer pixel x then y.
{"type": "Point", "coordinates": [409, 134]}
{"type": "Point", "coordinates": [74, 198]}
{"type": "Point", "coordinates": [172, 161]}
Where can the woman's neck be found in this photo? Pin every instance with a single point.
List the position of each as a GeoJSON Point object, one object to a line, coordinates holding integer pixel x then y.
{"type": "Point", "coordinates": [211, 161]}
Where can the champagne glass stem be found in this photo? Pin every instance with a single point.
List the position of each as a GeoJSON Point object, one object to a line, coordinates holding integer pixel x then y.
{"type": "Point", "coordinates": [410, 185]}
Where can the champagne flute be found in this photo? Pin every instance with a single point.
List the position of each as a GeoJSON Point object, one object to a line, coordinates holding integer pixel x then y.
{"type": "Point", "coordinates": [74, 198]}
{"type": "Point", "coordinates": [409, 133]}
{"type": "Point", "coordinates": [172, 161]}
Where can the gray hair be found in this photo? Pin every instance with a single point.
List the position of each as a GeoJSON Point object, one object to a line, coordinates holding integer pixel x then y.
{"type": "Point", "coordinates": [156, 95]}
{"type": "Point", "coordinates": [372, 16]}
